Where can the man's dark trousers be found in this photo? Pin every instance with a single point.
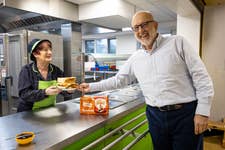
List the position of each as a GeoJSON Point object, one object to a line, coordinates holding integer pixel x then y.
{"type": "Point", "coordinates": [174, 129]}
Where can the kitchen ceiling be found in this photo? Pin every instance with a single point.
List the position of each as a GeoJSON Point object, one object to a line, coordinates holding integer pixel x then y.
{"type": "Point", "coordinates": [161, 13]}
{"type": "Point", "coordinates": [116, 18]}
{"type": "Point", "coordinates": [113, 22]}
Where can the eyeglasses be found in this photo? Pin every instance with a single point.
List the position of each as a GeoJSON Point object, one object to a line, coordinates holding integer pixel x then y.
{"type": "Point", "coordinates": [143, 26]}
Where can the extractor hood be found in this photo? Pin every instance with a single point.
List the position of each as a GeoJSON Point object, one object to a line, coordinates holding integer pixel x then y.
{"type": "Point", "coordinates": [104, 13]}
{"type": "Point", "coordinates": [26, 13]}
{"type": "Point", "coordinates": [12, 19]}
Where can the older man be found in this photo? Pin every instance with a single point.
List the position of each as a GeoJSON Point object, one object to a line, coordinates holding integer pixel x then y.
{"type": "Point", "coordinates": [177, 88]}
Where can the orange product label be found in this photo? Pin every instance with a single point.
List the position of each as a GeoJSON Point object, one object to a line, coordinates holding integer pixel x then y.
{"type": "Point", "coordinates": [94, 105]}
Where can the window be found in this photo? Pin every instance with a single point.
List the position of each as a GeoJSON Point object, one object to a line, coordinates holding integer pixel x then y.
{"type": "Point", "coordinates": [112, 46]}
{"type": "Point", "coordinates": [101, 46]}
{"type": "Point", "coordinates": [89, 46]}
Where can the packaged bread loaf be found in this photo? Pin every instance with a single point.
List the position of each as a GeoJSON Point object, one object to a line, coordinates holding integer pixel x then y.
{"type": "Point", "coordinates": [95, 105]}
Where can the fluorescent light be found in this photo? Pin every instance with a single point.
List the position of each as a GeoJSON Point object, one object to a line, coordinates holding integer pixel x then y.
{"type": "Point", "coordinates": [127, 29]}
{"type": "Point", "coordinates": [104, 30]}
{"type": "Point", "coordinates": [166, 35]}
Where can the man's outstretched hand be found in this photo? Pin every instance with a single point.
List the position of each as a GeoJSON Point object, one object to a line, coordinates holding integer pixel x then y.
{"type": "Point", "coordinates": [84, 87]}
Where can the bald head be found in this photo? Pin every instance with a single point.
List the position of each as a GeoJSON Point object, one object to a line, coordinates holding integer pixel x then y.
{"type": "Point", "coordinates": [140, 16]}
{"type": "Point", "coordinates": [145, 28]}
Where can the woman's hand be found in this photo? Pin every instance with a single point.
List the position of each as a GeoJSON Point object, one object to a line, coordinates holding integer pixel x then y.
{"type": "Point", "coordinates": [84, 87]}
{"type": "Point", "coordinates": [52, 90]}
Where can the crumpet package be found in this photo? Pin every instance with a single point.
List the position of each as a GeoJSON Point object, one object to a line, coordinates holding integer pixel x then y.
{"type": "Point", "coordinates": [94, 105]}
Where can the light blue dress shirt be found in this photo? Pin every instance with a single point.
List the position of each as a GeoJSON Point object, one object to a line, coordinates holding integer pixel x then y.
{"type": "Point", "coordinates": [171, 73]}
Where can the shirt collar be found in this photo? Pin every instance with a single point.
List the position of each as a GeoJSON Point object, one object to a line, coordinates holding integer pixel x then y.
{"type": "Point", "coordinates": [155, 44]}
{"type": "Point", "coordinates": [35, 69]}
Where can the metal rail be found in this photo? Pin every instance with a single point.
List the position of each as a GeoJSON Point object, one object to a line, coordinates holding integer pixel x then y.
{"type": "Point", "coordinates": [124, 135]}
{"type": "Point", "coordinates": [136, 140]}
{"type": "Point", "coordinates": [111, 133]}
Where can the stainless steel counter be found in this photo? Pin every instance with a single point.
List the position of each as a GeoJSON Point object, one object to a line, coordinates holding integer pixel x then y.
{"type": "Point", "coordinates": [61, 125]}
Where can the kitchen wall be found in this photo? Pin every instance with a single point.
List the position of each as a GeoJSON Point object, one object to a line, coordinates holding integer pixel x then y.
{"type": "Point", "coordinates": [188, 22]}
{"type": "Point", "coordinates": [213, 55]}
{"type": "Point", "coordinates": [126, 44]}
{"type": "Point", "coordinates": [188, 26]}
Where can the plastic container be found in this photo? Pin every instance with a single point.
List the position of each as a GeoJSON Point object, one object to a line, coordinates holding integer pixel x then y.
{"type": "Point", "coordinates": [25, 138]}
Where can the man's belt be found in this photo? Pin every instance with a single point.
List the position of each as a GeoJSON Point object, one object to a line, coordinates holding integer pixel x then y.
{"type": "Point", "coordinates": [170, 107]}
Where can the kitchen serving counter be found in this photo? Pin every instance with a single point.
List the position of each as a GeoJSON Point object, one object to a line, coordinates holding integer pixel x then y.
{"type": "Point", "coordinates": [59, 126]}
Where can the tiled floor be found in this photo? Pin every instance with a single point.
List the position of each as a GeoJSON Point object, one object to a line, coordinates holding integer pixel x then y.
{"type": "Point", "coordinates": [213, 143]}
